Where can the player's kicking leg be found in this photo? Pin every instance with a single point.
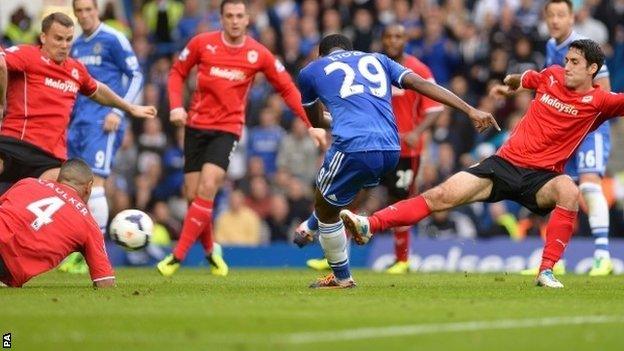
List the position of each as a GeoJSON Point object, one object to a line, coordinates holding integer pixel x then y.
{"type": "Point", "coordinates": [461, 188]}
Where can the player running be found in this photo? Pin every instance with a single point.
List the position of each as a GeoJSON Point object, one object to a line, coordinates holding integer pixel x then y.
{"type": "Point", "coordinates": [356, 88]}
{"type": "Point", "coordinates": [42, 88]}
{"type": "Point", "coordinates": [42, 221]}
{"type": "Point", "coordinates": [96, 131]}
{"type": "Point", "coordinates": [589, 163]}
{"type": "Point", "coordinates": [227, 62]}
{"type": "Point", "coordinates": [528, 167]}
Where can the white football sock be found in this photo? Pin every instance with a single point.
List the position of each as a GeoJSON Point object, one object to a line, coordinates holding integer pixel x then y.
{"type": "Point", "coordinates": [598, 213]}
{"type": "Point", "coordinates": [333, 240]}
{"type": "Point", "coordinates": [99, 207]}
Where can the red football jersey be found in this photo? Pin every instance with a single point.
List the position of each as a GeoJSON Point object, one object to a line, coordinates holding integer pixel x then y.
{"type": "Point", "coordinates": [40, 96]}
{"type": "Point", "coordinates": [557, 120]}
{"type": "Point", "coordinates": [224, 76]}
{"type": "Point", "coordinates": [410, 107]}
{"type": "Point", "coordinates": [41, 222]}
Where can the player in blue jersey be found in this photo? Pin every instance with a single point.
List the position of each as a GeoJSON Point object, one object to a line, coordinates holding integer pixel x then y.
{"type": "Point", "coordinates": [589, 164]}
{"type": "Point", "coordinates": [356, 89]}
{"type": "Point", "coordinates": [96, 131]}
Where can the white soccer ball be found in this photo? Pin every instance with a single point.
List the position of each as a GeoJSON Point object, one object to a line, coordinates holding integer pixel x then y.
{"type": "Point", "coordinates": [131, 229]}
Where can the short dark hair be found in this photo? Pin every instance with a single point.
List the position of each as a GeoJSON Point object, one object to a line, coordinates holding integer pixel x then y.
{"type": "Point", "coordinates": [75, 171]}
{"type": "Point", "coordinates": [592, 52]}
{"type": "Point", "coordinates": [567, 2]}
{"type": "Point", "coordinates": [334, 41]}
{"type": "Point", "coordinates": [225, 2]}
{"type": "Point", "coordinates": [57, 17]}
{"type": "Point", "coordinates": [94, 2]}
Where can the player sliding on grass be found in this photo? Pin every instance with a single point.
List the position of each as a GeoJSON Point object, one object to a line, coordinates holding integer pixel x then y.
{"type": "Point", "coordinates": [528, 167]}
{"type": "Point", "coordinates": [43, 221]}
{"type": "Point", "coordinates": [356, 88]}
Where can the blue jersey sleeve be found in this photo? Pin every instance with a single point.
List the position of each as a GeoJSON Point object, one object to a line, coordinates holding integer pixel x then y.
{"type": "Point", "coordinates": [306, 86]}
{"type": "Point", "coordinates": [125, 59]}
{"type": "Point", "coordinates": [395, 71]}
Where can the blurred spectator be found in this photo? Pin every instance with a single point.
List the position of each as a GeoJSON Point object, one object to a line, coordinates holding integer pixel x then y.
{"type": "Point", "coordinates": [162, 17]}
{"type": "Point", "coordinates": [264, 140]}
{"type": "Point", "coordinates": [310, 35]}
{"type": "Point", "coordinates": [506, 31]}
{"type": "Point", "coordinates": [474, 46]}
{"type": "Point", "coordinates": [437, 51]}
{"type": "Point", "coordinates": [448, 224]}
{"type": "Point", "coordinates": [109, 17]}
{"type": "Point", "coordinates": [615, 65]}
{"type": "Point", "coordinates": [525, 58]}
{"type": "Point", "coordinates": [527, 16]}
{"type": "Point", "coordinates": [293, 59]}
{"type": "Point", "coordinates": [188, 24]}
{"type": "Point", "coordinates": [121, 181]}
{"type": "Point", "coordinates": [20, 29]}
{"type": "Point", "coordinates": [172, 179]}
{"type": "Point", "coordinates": [589, 27]}
{"type": "Point", "coordinates": [331, 22]}
{"type": "Point", "coordinates": [363, 34]}
{"type": "Point", "coordinates": [297, 153]}
{"type": "Point", "coordinates": [238, 225]}
{"type": "Point", "coordinates": [299, 200]}
{"type": "Point", "coordinates": [259, 197]}
{"type": "Point", "coordinates": [278, 221]}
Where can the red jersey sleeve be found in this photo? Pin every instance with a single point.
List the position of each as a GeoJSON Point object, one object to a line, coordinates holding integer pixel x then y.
{"type": "Point", "coordinates": [94, 252]}
{"type": "Point", "coordinates": [531, 79]}
{"type": "Point", "coordinates": [16, 58]}
{"type": "Point", "coordinates": [612, 105]}
{"type": "Point", "coordinates": [276, 74]}
{"type": "Point", "coordinates": [88, 85]}
{"type": "Point", "coordinates": [187, 59]}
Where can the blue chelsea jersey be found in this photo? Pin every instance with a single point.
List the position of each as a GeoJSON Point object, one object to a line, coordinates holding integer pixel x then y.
{"type": "Point", "coordinates": [356, 88]}
{"type": "Point", "coordinates": [109, 58]}
{"type": "Point", "coordinates": [555, 54]}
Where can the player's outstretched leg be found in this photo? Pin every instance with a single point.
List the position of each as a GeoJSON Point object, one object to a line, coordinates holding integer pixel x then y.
{"type": "Point", "coordinates": [598, 213]}
{"type": "Point", "coordinates": [402, 213]}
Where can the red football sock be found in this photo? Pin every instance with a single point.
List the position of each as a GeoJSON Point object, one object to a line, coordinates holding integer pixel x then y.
{"type": "Point", "coordinates": [206, 237]}
{"type": "Point", "coordinates": [401, 243]}
{"type": "Point", "coordinates": [400, 214]}
{"type": "Point", "coordinates": [558, 233]}
{"type": "Point", "coordinates": [197, 218]}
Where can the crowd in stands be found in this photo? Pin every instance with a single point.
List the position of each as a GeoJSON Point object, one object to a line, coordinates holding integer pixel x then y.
{"type": "Point", "coordinates": [468, 44]}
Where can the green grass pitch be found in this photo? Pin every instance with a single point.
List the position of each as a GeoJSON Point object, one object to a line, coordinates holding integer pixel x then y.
{"type": "Point", "coordinates": [274, 310]}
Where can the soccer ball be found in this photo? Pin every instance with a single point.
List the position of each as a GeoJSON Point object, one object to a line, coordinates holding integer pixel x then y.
{"type": "Point", "coordinates": [131, 229]}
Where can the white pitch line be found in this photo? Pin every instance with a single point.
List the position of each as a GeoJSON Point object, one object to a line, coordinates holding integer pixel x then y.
{"type": "Point", "coordinates": [422, 329]}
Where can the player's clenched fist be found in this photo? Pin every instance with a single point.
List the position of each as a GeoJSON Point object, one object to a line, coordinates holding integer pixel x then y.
{"type": "Point", "coordinates": [178, 117]}
{"type": "Point", "coordinates": [143, 111]}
